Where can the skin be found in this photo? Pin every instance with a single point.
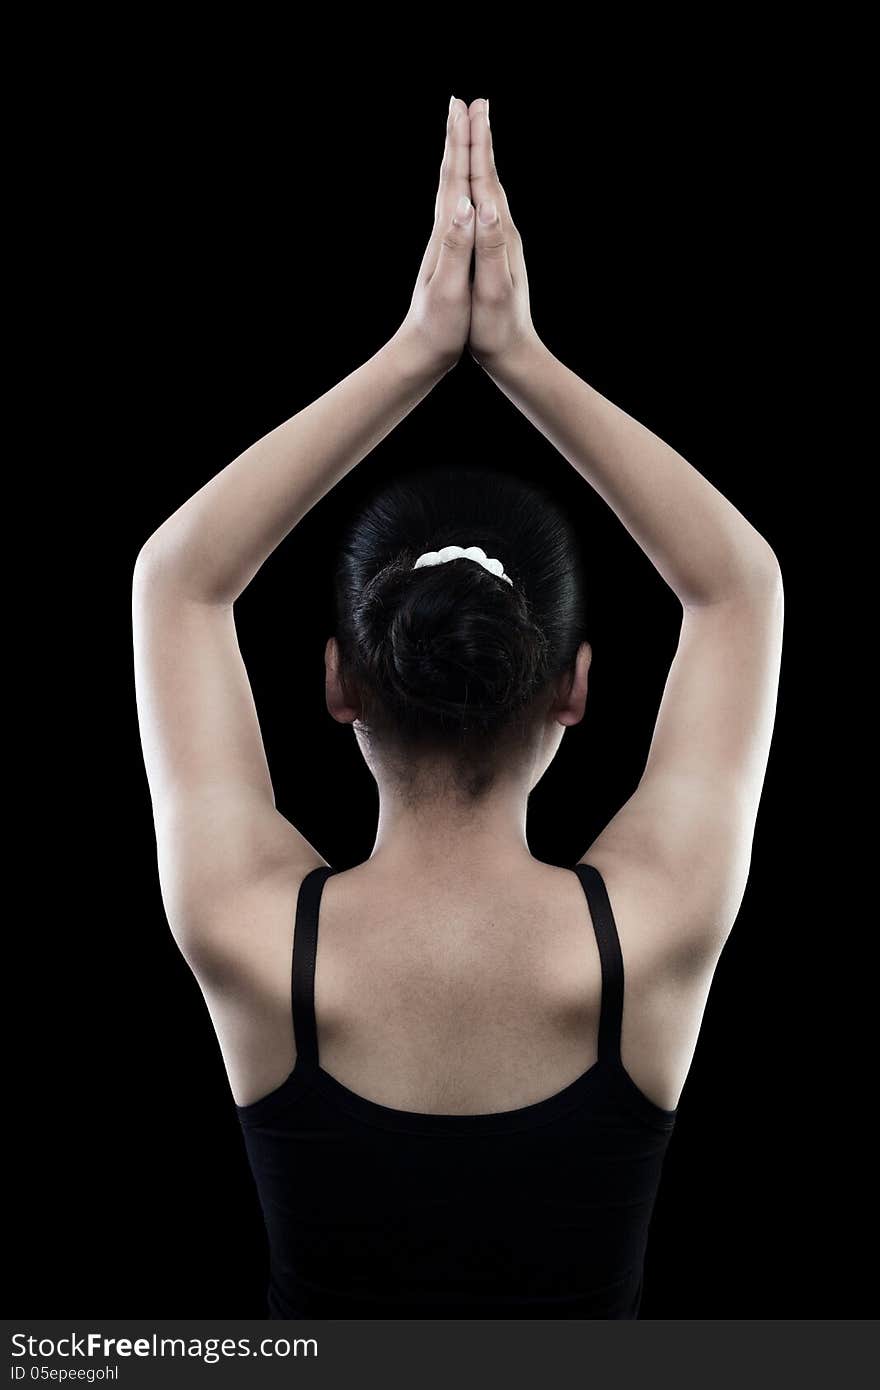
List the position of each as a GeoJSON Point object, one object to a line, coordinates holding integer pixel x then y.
{"type": "Point", "coordinates": [675, 856]}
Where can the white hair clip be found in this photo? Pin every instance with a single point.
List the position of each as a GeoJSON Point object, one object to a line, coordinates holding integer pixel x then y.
{"type": "Point", "coordinates": [470, 552]}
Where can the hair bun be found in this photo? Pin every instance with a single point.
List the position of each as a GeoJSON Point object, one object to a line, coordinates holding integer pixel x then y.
{"type": "Point", "coordinates": [460, 638]}
{"type": "Point", "coordinates": [453, 642]}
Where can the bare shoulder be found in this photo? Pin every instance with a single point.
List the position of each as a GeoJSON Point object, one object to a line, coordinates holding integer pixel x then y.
{"type": "Point", "coordinates": [242, 960]}
{"type": "Point", "coordinates": [668, 971]}
{"type": "Point", "coordinates": [657, 915]}
{"type": "Point", "coordinates": [682, 842]}
{"type": "Point", "coordinates": [248, 929]}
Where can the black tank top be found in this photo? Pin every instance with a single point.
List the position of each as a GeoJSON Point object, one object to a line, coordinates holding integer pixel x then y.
{"type": "Point", "coordinates": [539, 1212]}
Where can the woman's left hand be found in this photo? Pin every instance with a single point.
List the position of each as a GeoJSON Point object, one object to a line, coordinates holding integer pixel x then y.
{"type": "Point", "coordinates": [438, 321]}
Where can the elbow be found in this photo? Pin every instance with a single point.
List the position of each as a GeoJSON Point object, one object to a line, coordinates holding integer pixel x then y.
{"type": "Point", "coordinates": [751, 574]}
{"type": "Point", "coordinates": [164, 564]}
{"type": "Point", "coordinates": [147, 559]}
{"type": "Point", "coordinates": [154, 560]}
{"type": "Point", "coordinates": [754, 564]}
{"type": "Point", "coordinates": [768, 571]}
{"type": "Point", "coordinates": [145, 555]}
{"type": "Point", "coordinates": [762, 582]}
{"type": "Point", "coordinates": [761, 578]}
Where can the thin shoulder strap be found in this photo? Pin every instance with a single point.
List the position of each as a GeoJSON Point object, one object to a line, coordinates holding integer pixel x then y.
{"type": "Point", "coordinates": [611, 958]}
{"type": "Point", "coordinates": [305, 951]}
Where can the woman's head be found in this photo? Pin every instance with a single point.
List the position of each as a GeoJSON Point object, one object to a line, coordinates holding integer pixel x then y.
{"type": "Point", "coordinates": [448, 665]}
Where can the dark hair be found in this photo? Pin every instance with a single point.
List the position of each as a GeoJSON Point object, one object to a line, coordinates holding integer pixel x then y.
{"type": "Point", "coordinates": [450, 659]}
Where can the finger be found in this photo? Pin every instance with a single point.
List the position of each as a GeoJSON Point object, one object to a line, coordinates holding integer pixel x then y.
{"type": "Point", "coordinates": [454, 182]}
{"type": "Point", "coordinates": [484, 179]}
{"type": "Point", "coordinates": [453, 269]}
{"type": "Point", "coordinates": [495, 235]}
{"type": "Point", "coordinates": [455, 167]}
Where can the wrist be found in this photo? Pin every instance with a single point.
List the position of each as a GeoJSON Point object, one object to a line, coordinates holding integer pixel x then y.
{"type": "Point", "coordinates": [415, 358]}
{"type": "Point", "coordinates": [515, 361]}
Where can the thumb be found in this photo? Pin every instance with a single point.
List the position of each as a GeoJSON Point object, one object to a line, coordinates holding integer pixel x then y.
{"type": "Point", "coordinates": [456, 244]}
{"type": "Point", "coordinates": [492, 265]}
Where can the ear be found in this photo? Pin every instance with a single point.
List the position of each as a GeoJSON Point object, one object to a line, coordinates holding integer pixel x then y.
{"type": "Point", "coordinates": [570, 705]}
{"type": "Point", "coordinates": [338, 703]}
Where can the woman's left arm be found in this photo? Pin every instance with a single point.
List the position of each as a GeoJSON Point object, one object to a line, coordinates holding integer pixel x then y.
{"type": "Point", "coordinates": [218, 832]}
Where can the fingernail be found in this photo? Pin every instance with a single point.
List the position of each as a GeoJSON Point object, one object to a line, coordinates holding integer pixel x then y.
{"type": "Point", "coordinates": [487, 211]}
{"type": "Point", "coordinates": [451, 102]}
{"type": "Point", "coordinates": [463, 209]}
{"type": "Point", "coordinates": [487, 110]}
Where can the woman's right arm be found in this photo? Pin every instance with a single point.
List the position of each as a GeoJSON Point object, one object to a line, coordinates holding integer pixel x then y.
{"type": "Point", "coordinates": [702, 546]}
{"type": "Point", "coordinates": [690, 821]}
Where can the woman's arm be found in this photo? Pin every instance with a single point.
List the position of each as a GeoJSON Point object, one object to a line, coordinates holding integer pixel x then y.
{"type": "Point", "coordinates": [213, 545]}
{"type": "Point", "coordinates": [702, 546]}
{"type": "Point", "coordinates": [680, 846]}
{"type": "Point", "coordinates": [219, 836]}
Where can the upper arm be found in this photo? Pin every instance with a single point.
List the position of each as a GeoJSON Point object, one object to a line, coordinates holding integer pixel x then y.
{"type": "Point", "coordinates": [217, 829]}
{"type": "Point", "coordinates": [687, 830]}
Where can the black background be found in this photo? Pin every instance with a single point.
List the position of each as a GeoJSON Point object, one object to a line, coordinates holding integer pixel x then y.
{"type": "Point", "coordinates": [238, 237]}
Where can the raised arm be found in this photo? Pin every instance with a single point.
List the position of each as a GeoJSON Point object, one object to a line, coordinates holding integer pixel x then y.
{"type": "Point", "coordinates": [702, 546]}
{"type": "Point", "coordinates": [213, 545]}
{"type": "Point", "coordinates": [691, 820]}
{"type": "Point", "coordinates": [216, 823]}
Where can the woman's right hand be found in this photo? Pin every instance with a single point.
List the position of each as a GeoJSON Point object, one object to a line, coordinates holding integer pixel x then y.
{"type": "Point", "coordinates": [501, 319]}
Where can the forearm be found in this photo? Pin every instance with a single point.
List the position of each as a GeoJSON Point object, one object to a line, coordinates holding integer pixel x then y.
{"type": "Point", "coordinates": [214, 544]}
{"type": "Point", "coordinates": [702, 546]}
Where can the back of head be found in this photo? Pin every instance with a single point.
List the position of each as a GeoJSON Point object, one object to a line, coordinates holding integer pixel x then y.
{"type": "Point", "coordinates": [449, 661]}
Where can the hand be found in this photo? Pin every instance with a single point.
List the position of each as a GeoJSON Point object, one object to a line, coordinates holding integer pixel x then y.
{"type": "Point", "coordinates": [436, 326]}
{"type": "Point", "coordinates": [501, 319]}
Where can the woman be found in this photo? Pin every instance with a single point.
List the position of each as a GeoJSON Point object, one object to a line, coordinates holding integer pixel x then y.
{"type": "Point", "coordinates": [459, 1105]}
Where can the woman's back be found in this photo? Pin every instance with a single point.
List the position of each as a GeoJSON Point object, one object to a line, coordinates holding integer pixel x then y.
{"type": "Point", "coordinates": [464, 1126]}
{"type": "Point", "coordinates": [438, 994]}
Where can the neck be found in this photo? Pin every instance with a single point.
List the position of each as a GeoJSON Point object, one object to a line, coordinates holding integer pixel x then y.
{"type": "Point", "coordinates": [451, 835]}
